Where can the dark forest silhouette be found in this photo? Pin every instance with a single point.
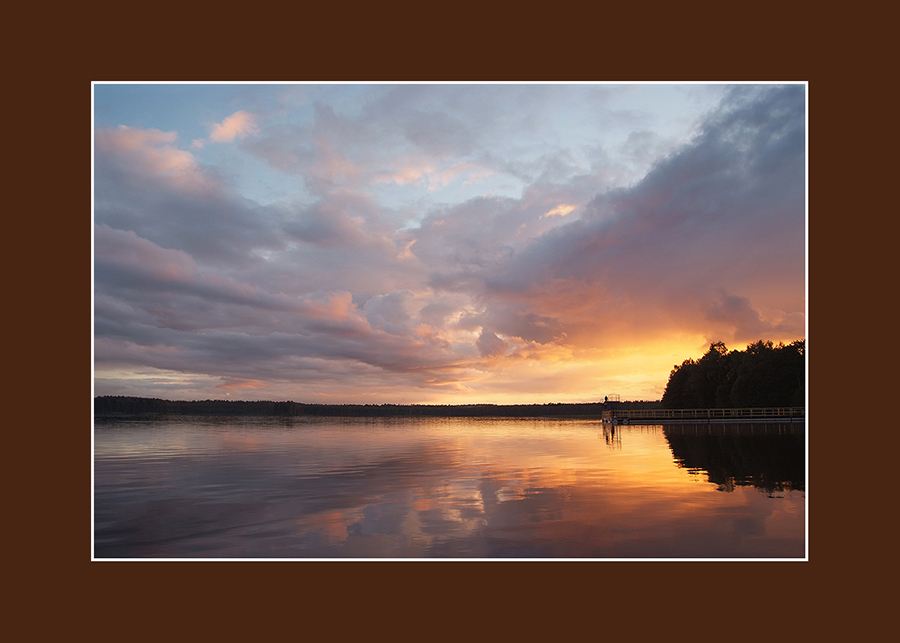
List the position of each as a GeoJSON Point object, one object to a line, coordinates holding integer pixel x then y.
{"type": "Point", "coordinates": [763, 375]}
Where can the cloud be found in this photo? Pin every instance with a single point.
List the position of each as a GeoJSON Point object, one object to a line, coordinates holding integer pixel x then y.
{"type": "Point", "coordinates": [128, 257]}
{"type": "Point", "coordinates": [439, 133]}
{"type": "Point", "coordinates": [431, 174]}
{"type": "Point", "coordinates": [146, 184]}
{"type": "Point", "coordinates": [327, 224]}
{"type": "Point", "coordinates": [403, 136]}
{"type": "Point", "coordinates": [232, 383]}
{"type": "Point", "coordinates": [735, 319]}
{"type": "Point", "coordinates": [159, 308]}
{"type": "Point", "coordinates": [489, 345]}
{"type": "Point", "coordinates": [390, 312]}
{"type": "Point", "coordinates": [241, 124]}
{"type": "Point", "coordinates": [148, 151]}
{"type": "Point", "coordinates": [136, 270]}
{"type": "Point", "coordinates": [724, 212]}
{"type": "Point", "coordinates": [600, 270]}
{"type": "Point", "coordinates": [559, 211]}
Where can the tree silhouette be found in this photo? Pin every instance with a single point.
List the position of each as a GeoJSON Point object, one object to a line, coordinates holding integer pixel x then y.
{"type": "Point", "coordinates": [763, 375]}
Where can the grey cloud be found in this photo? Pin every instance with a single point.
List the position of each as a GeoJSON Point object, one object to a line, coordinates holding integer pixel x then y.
{"type": "Point", "coordinates": [324, 224]}
{"type": "Point", "coordinates": [285, 148]}
{"type": "Point", "coordinates": [189, 211]}
{"type": "Point", "coordinates": [514, 320]}
{"type": "Point", "coordinates": [722, 211]}
{"type": "Point", "coordinates": [733, 318]}
{"type": "Point", "coordinates": [125, 263]}
{"type": "Point", "coordinates": [469, 240]}
{"type": "Point", "coordinates": [736, 316]}
{"type": "Point", "coordinates": [389, 312]}
{"type": "Point", "coordinates": [489, 345]}
{"type": "Point", "coordinates": [195, 325]}
{"type": "Point", "coordinates": [325, 347]}
{"type": "Point", "coordinates": [440, 134]}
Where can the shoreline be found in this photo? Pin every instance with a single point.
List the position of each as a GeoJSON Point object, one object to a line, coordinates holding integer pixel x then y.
{"type": "Point", "coordinates": [122, 406]}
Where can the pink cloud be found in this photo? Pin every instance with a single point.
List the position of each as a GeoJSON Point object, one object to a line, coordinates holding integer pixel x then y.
{"type": "Point", "coordinates": [338, 307]}
{"type": "Point", "coordinates": [152, 150]}
{"type": "Point", "coordinates": [420, 171]}
{"type": "Point", "coordinates": [559, 211]}
{"type": "Point", "coordinates": [232, 383]}
{"type": "Point", "coordinates": [239, 125]}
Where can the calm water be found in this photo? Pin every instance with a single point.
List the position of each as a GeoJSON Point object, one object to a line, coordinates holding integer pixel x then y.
{"type": "Point", "coordinates": [446, 488]}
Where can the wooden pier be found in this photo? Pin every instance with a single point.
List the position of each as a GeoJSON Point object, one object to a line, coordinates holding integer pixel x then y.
{"type": "Point", "coordinates": [705, 416]}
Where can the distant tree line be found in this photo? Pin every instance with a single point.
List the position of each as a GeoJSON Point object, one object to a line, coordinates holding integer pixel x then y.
{"type": "Point", "coordinates": [119, 406]}
{"type": "Point", "coordinates": [763, 375]}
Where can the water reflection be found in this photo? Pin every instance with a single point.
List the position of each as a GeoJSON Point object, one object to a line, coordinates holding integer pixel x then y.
{"type": "Point", "coordinates": [768, 456]}
{"type": "Point", "coordinates": [437, 488]}
{"type": "Point", "coordinates": [612, 436]}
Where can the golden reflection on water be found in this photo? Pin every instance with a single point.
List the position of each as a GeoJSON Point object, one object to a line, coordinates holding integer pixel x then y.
{"type": "Point", "coordinates": [434, 488]}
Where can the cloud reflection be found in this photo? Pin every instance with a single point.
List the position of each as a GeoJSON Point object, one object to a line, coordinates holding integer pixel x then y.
{"type": "Point", "coordinates": [496, 489]}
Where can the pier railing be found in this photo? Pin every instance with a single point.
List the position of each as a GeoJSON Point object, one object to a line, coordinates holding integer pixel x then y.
{"type": "Point", "coordinates": [779, 414]}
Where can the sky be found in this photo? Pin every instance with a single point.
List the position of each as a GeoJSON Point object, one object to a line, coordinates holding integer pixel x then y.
{"type": "Point", "coordinates": [430, 243]}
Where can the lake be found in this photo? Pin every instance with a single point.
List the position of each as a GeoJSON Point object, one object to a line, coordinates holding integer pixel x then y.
{"type": "Point", "coordinates": [439, 488]}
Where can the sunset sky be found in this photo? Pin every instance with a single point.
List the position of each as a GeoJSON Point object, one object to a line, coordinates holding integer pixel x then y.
{"type": "Point", "coordinates": [440, 243]}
